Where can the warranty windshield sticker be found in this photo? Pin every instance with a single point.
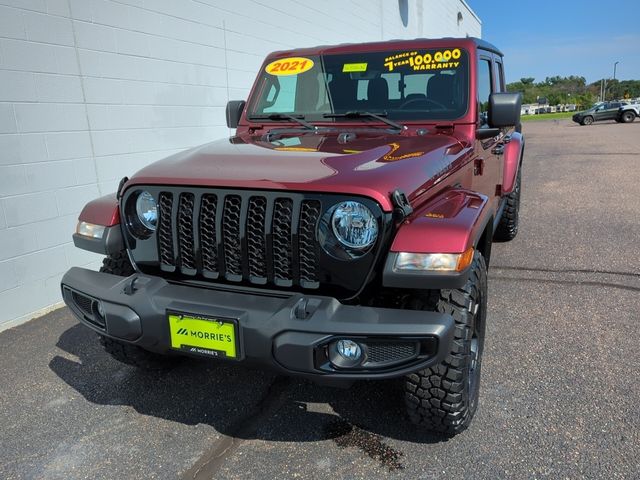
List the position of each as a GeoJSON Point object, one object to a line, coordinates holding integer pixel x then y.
{"type": "Point", "coordinates": [416, 61]}
{"type": "Point", "coordinates": [289, 66]}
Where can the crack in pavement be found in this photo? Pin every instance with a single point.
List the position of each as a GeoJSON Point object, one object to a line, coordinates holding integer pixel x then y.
{"type": "Point", "coordinates": [568, 282]}
{"type": "Point", "coordinates": [551, 270]}
{"type": "Point", "coordinates": [209, 464]}
{"type": "Point", "coordinates": [563, 277]}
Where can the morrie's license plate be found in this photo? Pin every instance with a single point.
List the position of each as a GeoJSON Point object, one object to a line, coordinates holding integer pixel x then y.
{"type": "Point", "coordinates": [214, 337]}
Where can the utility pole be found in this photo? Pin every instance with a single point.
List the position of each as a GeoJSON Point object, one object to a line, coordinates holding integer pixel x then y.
{"type": "Point", "coordinates": [614, 70]}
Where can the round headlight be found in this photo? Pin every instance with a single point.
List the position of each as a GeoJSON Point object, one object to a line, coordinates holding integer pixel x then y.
{"type": "Point", "coordinates": [354, 225]}
{"type": "Point", "coordinates": [147, 210]}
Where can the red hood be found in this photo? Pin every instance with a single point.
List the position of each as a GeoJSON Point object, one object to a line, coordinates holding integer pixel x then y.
{"type": "Point", "coordinates": [372, 165]}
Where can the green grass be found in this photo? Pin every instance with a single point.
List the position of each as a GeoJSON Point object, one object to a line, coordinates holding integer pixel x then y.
{"type": "Point", "coordinates": [546, 116]}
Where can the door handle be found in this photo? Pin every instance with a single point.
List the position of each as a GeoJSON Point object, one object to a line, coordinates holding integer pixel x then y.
{"type": "Point", "coordinates": [498, 150]}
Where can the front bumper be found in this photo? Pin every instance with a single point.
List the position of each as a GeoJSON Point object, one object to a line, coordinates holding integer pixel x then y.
{"type": "Point", "coordinates": [292, 333]}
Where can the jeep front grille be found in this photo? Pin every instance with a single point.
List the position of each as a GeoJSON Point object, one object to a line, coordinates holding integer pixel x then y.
{"type": "Point", "coordinates": [240, 237]}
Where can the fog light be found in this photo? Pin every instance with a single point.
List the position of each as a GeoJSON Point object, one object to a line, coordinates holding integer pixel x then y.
{"type": "Point", "coordinates": [100, 309]}
{"type": "Point", "coordinates": [349, 349]}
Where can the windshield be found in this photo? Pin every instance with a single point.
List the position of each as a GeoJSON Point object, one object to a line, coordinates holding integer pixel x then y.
{"type": "Point", "coordinates": [425, 84]}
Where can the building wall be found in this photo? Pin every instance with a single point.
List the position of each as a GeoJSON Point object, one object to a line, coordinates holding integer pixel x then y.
{"type": "Point", "coordinates": [93, 90]}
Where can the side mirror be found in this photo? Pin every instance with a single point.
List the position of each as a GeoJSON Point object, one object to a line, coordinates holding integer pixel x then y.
{"type": "Point", "coordinates": [234, 112]}
{"type": "Point", "coordinates": [504, 109]}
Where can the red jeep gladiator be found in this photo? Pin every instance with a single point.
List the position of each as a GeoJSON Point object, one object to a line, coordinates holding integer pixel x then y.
{"type": "Point", "coordinates": [343, 233]}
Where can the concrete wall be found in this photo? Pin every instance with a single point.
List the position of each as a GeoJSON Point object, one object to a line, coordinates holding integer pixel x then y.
{"type": "Point", "coordinates": [92, 90]}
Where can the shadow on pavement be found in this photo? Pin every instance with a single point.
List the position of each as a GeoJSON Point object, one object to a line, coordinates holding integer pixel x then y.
{"type": "Point", "coordinates": [232, 398]}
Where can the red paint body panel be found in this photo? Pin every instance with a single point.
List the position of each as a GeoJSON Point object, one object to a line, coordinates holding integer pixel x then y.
{"type": "Point", "coordinates": [372, 165]}
{"type": "Point", "coordinates": [512, 156]}
{"type": "Point", "coordinates": [101, 211]}
{"type": "Point", "coordinates": [449, 223]}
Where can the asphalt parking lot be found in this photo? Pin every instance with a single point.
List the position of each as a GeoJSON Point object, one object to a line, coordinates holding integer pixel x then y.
{"type": "Point", "coordinates": [561, 375]}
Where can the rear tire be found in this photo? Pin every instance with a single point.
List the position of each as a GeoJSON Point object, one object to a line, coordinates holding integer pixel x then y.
{"type": "Point", "coordinates": [587, 120]}
{"type": "Point", "coordinates": [444, 398]}
{"type": "Point", "coordinates": [507, 228]}
{"type": "Point", "coordinates": [119, 264]}
{"type": "Point", "coordinates": [628, 117]}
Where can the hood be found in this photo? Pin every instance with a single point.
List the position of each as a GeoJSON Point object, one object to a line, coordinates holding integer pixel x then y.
{"type": "Point", "coordinates": [372, 165]}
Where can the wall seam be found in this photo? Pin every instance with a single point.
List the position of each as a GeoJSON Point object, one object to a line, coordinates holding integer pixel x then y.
{"type": "Point", "coordinates": [84, 99]}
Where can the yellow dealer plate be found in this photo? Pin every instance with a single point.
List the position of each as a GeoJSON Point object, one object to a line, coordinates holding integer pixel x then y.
{"type": "Point", "coordinates": [205, 336]}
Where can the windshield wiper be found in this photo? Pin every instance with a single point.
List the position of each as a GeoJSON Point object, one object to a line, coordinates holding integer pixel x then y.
{"type": "Point", "coordinates": [284, 116]}
{"type": "Point", "coordinates": [359, 114]}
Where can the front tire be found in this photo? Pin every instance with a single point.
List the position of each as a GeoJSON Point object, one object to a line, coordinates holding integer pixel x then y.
{"type": "Point", "coordinates": [444, 398]}
{"type": "Point", "coordinates": [628, 117]}
{"type": "Point", "coordinates": [507, 228]}
{"type": "Point", "coordinates": [119, 264]}
{"type": "Point", "coordinates": [587, 120]}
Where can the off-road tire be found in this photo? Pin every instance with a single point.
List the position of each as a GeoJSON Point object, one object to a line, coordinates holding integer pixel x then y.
{"type": "Point", "coordinates": [119, 264]}
{"type": "Point", "coordinates": [507, 228]}
{"type": "Point", "coordinates": [628, 117]}
{"type": "Point", "coordinates": [588, 120]}
{"type": "Point", "coordinates": [136, 356]}
{"type": "Point", "coordinates": [444, 398]}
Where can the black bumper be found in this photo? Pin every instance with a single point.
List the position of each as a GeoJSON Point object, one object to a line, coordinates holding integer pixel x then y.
{"type": "Point", "coordinates": [292, 333]}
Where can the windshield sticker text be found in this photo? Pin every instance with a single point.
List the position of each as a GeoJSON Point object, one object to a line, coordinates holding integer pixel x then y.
{"type": "Point", "coordinates": [289, 66]}
{"type": "Point", "coordinates": [354, 67]}
{"type": "Point", "coordinates": [440, 60]}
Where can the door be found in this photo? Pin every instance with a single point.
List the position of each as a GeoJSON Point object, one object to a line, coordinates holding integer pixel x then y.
{"type": "Point", "coordinates": [488, 168]}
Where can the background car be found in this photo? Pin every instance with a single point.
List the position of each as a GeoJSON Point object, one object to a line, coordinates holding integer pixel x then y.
{"type": "Point", "coordinates": [599, 112]}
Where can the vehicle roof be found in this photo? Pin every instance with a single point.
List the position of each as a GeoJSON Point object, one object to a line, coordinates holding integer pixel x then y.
{"type": "Point", "coordinates": [468, 42]}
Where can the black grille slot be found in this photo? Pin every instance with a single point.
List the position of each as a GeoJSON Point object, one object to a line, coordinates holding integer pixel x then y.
{"type": "Point", "coordinates": [256, 246]}
{"type": "Point", "coordinates": [185, 232]}
{"type": "Point", "coordinates": [165, 231]}
{"type": "Point", "coordinates": [208, 237]}
{"type": "Point", "coordinates": [231, 236]}
{"type": "Point", "coordinates": [83, 303]}
{"type": "Point", "coordinates": [282, 215]}
{"type": "Point", "coordinates": [389, 352]}
{"type": "Point", "coordinates": [307, 251]}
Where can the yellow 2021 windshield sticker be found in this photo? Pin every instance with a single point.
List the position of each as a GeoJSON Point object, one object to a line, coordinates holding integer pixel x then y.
{"type": "Point", "coordinates": [438, 60]}
{"type": "Point", "coordinates": [289, 66]}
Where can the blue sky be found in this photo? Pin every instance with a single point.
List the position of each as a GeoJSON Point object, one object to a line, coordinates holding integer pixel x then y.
{"type": "Point", "coordinates": [544, 38]}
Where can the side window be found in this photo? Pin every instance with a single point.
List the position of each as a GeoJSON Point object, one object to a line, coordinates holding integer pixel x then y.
{"type": "Point", "coordinates": [484, 88]}
{"type": "Point", "coordinates": [282, 100]}
{"type": "Point", "coordinates": [500, 77]}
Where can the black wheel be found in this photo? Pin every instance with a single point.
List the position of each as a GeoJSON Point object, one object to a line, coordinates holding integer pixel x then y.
{"type": "Point", "coordinates": [507, 228]}
{"type": "Point", "coordinates": [628, 117]}
{"type": "Point", "coordinates": [444, 398]}
{"type": "Point", "coordinates": [588, 120]}
{"type": "Point", "coordinates": [119, 264]}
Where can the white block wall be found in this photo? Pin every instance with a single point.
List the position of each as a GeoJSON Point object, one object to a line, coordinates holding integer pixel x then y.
{"type": "Point", "coordinates": [93, 90]}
